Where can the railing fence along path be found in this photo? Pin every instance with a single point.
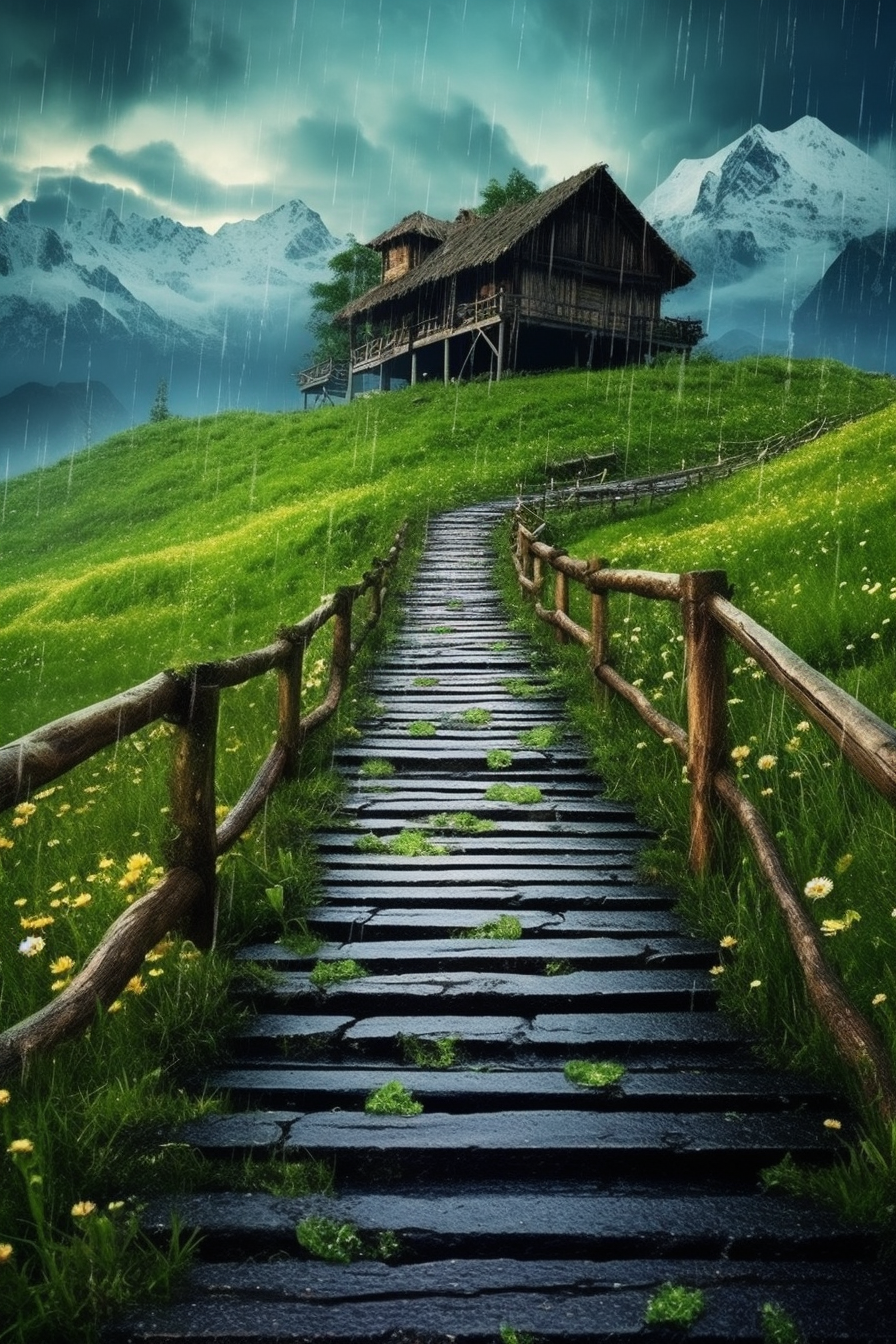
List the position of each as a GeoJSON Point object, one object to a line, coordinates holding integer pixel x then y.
{"type": "Point", "coordinates": [708, 616]}
{"type": "Point", "coordinates": [185, 898]}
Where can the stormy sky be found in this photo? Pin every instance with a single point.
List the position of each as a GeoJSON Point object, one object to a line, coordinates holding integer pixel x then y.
{"type": "Point", "coordinates": [214, 110]}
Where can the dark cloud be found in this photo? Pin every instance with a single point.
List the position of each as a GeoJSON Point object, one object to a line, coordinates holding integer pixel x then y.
{"type": "Point", "coordinates": [57, 195]}
{"type": "Point", "coordinates": [687, 76]}
{"type": "Point", "coordinates": [161, 172]}
{"type": "Point", "coordinates": [96, 57]}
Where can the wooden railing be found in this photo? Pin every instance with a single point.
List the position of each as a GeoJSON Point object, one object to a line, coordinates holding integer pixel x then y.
{"type": "Point", "coordinates": [708, 616]}
{"type": "Point", "coordinates": [185, 898]}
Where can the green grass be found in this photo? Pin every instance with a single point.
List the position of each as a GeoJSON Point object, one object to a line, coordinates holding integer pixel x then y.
{"type": "Point", "coordinates": [778, 1327]}
{"type": "Point", "coordinates": [586, 1074]}
{"type": "Point", "coordinates": [522, 688]}
{"type": "Point", "coordinates": [542, 738]}
{"type": "Point", "coordinates": [499, 759]}
{"type": "Point", "coordinates": [505, 926]}
{"type": "Point", "coordinates": [425, 681]}
{"type": "Point", "coordinates": [408, 844]}
{"type": "Point", "coordinates": [342, 1243]}
{"type": "Point", "coordinates": [464, 823]}
{"type": "Point", "coordinates": [440, 1053]}
{"type": "Point", "coordinates": [189, 540]}
{"type": "Point", "coordinates": [392, 1099]}
{"type": "Point", "coordinates": [477, 717]}
{"type": "Point", "coordinates": [673, 1304]}
{"type": "Point", "coordinates": [513, 793]}
{"type": "Point", "coordinates": [328, 973]}
{"type": "Point", "coordinates": [422, 728]}
{"type": "Point", "coordinates": [376, 768]}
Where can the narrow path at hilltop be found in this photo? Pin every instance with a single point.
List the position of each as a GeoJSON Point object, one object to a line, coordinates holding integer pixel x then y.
{"type": "Point", "coordinates": [517, 1198]}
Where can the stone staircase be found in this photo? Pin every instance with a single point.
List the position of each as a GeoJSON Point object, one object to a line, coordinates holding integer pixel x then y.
{"type": "Point", "coordinates": [518, 1204]}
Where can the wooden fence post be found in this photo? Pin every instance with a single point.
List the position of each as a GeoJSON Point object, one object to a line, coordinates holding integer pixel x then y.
{"type": "Point", "coordinates": [342, 637]}
{"type": "Point", "coordinates": [523, 552]}
{"type": "Point", "coordinates": [193, 845]}
{"type": "Point", "coordinates": [561, 601]}
{"type": "Point", "coordinates": [600, 634]}
{"type": "Point", "coordinates": [289, 708]}
{"type": "Point", "coordinates": [707, 709]}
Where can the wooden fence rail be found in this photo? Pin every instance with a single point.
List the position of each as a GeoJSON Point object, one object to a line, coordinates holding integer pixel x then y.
{"type": "Point", "coordinates": [708, 617]}
{"type": "Point", "coordinates": [185, 898]}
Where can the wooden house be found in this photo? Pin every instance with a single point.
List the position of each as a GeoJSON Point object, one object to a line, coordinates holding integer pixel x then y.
{"type": "Point", "coordinates": [574, 277]}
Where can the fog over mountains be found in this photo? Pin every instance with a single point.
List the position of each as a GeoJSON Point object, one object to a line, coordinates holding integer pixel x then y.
{"type": "Point", "coordinates": [761, 222]}
{"type": "Point", "coordinates": [127, 302]}
{"type": "Point", "coordinates": [788, 231]}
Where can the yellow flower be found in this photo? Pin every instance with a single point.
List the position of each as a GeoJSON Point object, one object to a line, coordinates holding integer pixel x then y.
{"type": "Point", "coordinates": [803, 726]}
{"type": "Point", "coordinates": [84, 899]}
{"type": "Point", "coordinates": [833, 1124]}
{"type": "Point", "coordinates": [37, 921]}
{"type": "Point", "coordinates": [25, 810]}
{"type": "Point", "coordinates": [717, 970]}
{"type": "Point", "coordinates": [728, 941]}
{"type": "Point", "coordinates": [754, 984]}
{"type": "Point", "coordinates": [115, 1007]}
{"type": "Point", "coordinates": [136, 985]}
{"type": "Point", "coordinates": [30, 947]}
{"type": "Point", "coordinates": [878, 999]}
{"type": "Point", "coordinates": [106, 863]}
{"type": "Point", "coordinates": [4, 1096]}
{"type": "Point", "coordinates": [6, 843]}
{"type": "Point", "coordinates": [767, 762]}
{"type": "Point", "coordinates": [739, 754]}
{"type": "Point", "coordinates": [23, 900]}
{"type": "Point", "coordinates": [115, 1205]}
{"type": "Point", "coordinates": [61, 965]}
{"type": "Point", "coordinates": [5, 1252]}
{"type": "Point", "coordinates": [83, 1209]}
{"type": "Point", "coordinates": [20, 1146]}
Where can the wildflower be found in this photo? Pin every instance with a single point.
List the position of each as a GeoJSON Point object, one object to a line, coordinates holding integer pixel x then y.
{"type": "Point", "coordinates": [20, 1146]}
{"type": "Point", "coordinates": [639, 746]}
{"type": "Point", "coordinates": [84, 899]}
{"type": "Point", "coordinates": [766, 793]}
{"type": "Point", "coordinates": [833, 1124]}
{"type": "Point", "coordinates": [60, 984]}
{"type": "Point", "coordinates": [5, 1252]}
{"type": "Point", "coordinates": [115, 1205]}
{"type": "Point", "coordinates": [106, 863]}
{"type": "Point", "coordinates": [843, 863]}
{"type": "Point", "coordinates": [817, 887]}
{"type": "Point", "coordinates": [25, 810]}
{"type": "Point", "coordinates": [767, 762]}
{"type": "Point", "coordinates": [83, 1209]}
{"type": "Point", "coordinates": [4, 1096]}
{"type": "Point", "coordinates": [793, 744]}
{"type": "Point", "coordinates": [717, 970]}
{"type": "Point", "coordinates": [157, 970]}
{"type": "Point", "coordinates": [136, 985]}
{"type": "Point", "coordinates": [115, 1007]}
{"type": "Point", "coordinates": [878, 1000]}
{"type": "Point", "coordinates": [23, 900]}
{"type": "Point", "coordinates": [728, 941]}
{"type": "Point", "coordinates": [36, 921]}
{"type": "Point", "coordinates": [6, 843]}
{"type": "Point", "coordinates": [754, 984]}
{"type": "Point", "coordinates": [740, 754]}
{"type": "Point", "coordinates": [668, 676]}
{"type": "Point", "coordinates": [29, 947]}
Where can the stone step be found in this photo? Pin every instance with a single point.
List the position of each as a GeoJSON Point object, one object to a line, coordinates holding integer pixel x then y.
{"type": "Point", "coordinates": [452, 871]}
{"type": "Point", "coordinates": [620, 837]}
{"type": "Point", "coordinates": [474, 992]}
{"type": "Point", "coordinates": [613, 891]}
{"type": "Point", "coordinates": [533, 1143]}
{"type": "Point", "coordinates": [468, 1302]}
{"type": "Point", "coordinates": [309, 1086]}
{"type": "Point", "coordinates": [344, 923]}
{"type": "Point", "coordinates": [531, 954]}
{"type": "Point", "coordinates": [548, 1223]}
{"type": "Point", "coordinates": [693, 1036]}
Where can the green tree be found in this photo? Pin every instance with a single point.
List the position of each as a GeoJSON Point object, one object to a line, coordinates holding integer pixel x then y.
{"type": "Point", "coordinates": [159, 409]}
{"type": "Point", "coordinates": [515, 191]}
{"type": "Point", "coordinates": [354, 271]}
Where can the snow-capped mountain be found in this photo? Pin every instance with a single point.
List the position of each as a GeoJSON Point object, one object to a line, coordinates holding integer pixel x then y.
{"type": "Point", "coordinates": [762, 220]}
{"type": "Point", "coordinates": [221, 317]}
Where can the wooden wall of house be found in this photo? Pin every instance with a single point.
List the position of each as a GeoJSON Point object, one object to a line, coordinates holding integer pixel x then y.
{"type": "Point", "coordinates": [592, 235]}
{"type": "Point", "coordinates": [567, 290]}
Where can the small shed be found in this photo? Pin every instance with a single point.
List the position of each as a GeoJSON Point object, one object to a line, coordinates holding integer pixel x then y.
{"type": "Point", "coordinates": [573, 277]}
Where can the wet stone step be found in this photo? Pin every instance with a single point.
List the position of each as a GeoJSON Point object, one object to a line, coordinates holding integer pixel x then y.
{"type": "Point", "coordinates": [452, 873]}
{"type": "Point", "coordinates": [540, 1226]}
{"type": "Point", "coordinates": [453, 1302]}
{"type": "Point", "coordinates": [309, 1086]}
{"type": "Point", "coordinates": [566, 848]}
{"type": "Point", "coordinates": [585, 1143]}
{"type": "Point", "coordinates": [533, 954]}
{"type": "Point", "coordinates": [368, 922]}
{"type": "Point", "coordinates": [614, 891]}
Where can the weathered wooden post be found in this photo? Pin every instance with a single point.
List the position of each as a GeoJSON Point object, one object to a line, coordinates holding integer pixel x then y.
{"type": "Point", "coordinates": [707, 710]}
{"type": "Point", "coordinates": [561, 602]}
{"type": "Point", "coordinates": [193, 845]}
{"type": "Point", "coordinates": [600, 635]}
{"type": "Point", "coordinates": [289, 707]}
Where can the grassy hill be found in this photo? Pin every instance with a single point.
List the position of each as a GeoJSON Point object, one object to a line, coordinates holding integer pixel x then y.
{"type": "Point", "coordinates": [192, 540]}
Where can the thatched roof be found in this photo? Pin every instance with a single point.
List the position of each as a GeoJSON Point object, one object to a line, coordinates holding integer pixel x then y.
{"type": "Point", "coordinates": [426, 226]}
{"type": "Point", "coordinates": [480, 240]}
